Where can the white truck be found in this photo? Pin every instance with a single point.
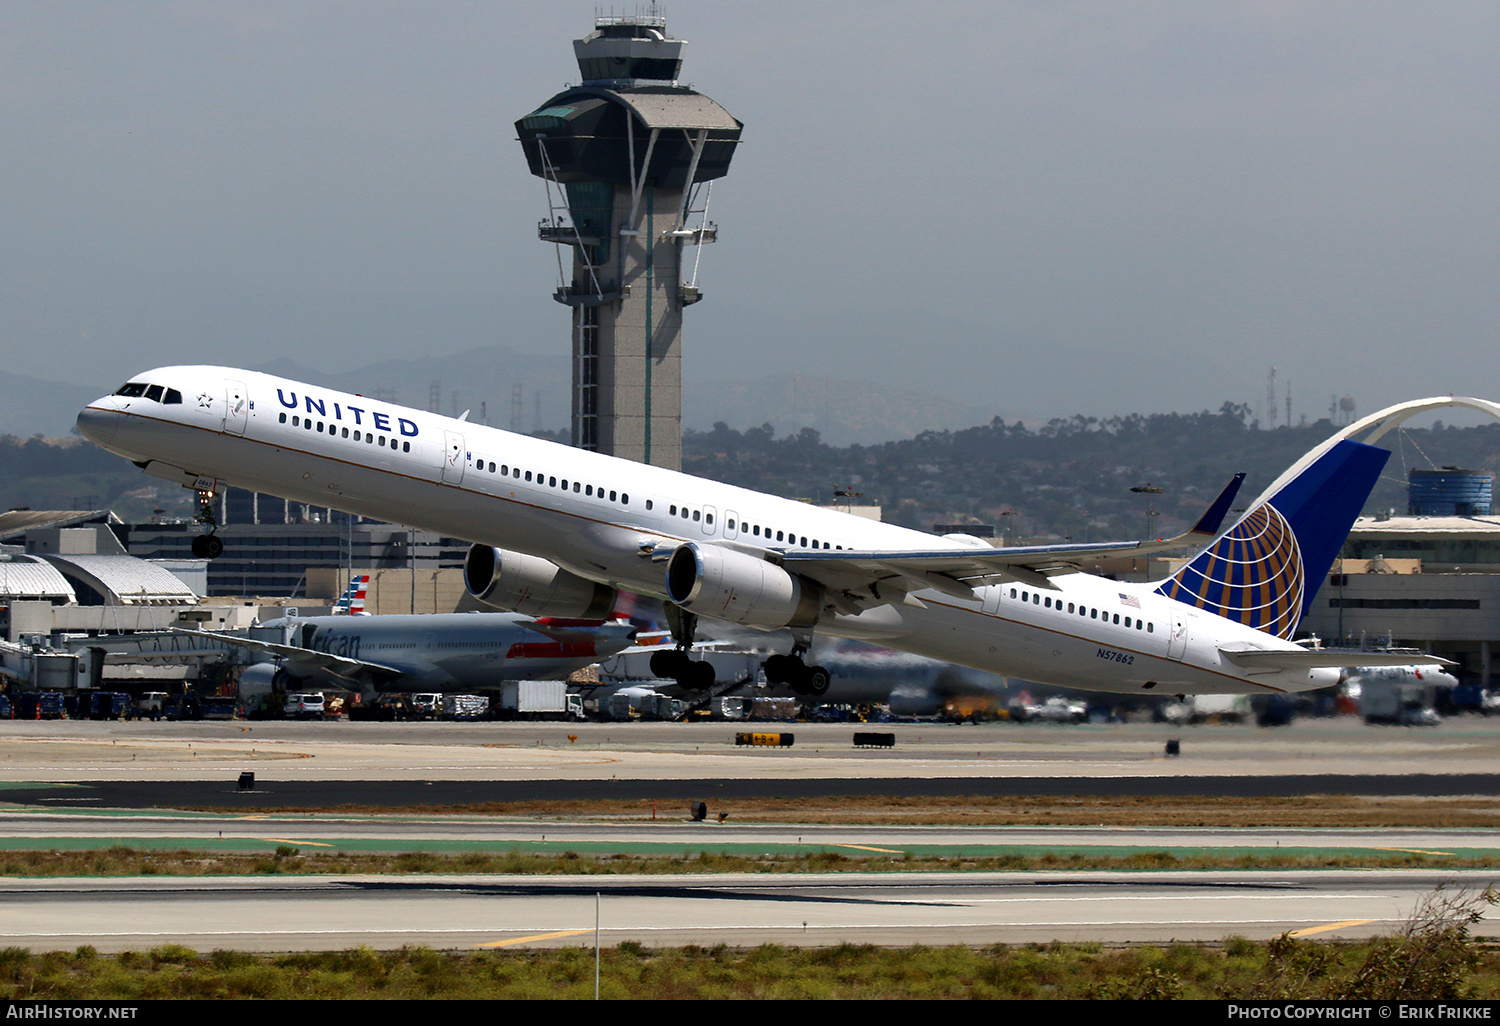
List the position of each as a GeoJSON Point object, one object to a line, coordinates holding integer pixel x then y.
{"type": "Point", "coordinates": [538, 700]}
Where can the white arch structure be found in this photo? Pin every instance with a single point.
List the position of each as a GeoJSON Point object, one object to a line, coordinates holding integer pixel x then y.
{"type": "Point", "coordinates": [1376, 426]}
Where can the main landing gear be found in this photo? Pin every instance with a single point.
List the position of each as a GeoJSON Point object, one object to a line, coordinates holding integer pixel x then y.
{"type": "Point", "coordinates": [809, 681]}
{"type": "Point", "coordinates": [207, 545]}
{"type": "Point", "coordinates": [678, 664]}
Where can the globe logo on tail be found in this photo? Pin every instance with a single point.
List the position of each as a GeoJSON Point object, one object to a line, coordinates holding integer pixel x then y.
{"type": "Point", "coordinates": [1252, 575]}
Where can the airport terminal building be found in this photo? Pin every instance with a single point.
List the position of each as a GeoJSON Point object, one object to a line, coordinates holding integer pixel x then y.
{"type": "Point", "coordinates": [1426, 581]}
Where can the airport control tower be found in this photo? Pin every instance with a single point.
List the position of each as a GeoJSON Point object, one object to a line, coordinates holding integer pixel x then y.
{"type": "Point", "coordinates": [628, 158]}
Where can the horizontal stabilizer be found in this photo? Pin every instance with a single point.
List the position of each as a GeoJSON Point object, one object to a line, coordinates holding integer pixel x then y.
{"type": "Point", "coordinates": [1316, 658]}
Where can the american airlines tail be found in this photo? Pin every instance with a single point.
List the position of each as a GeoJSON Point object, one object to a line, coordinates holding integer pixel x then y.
{"type": "Point", "coordinates": [352, 602]}
{"type": "Point", "coordinates": [1265, 570]}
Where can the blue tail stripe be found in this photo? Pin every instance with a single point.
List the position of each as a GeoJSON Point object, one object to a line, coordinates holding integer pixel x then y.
{"type": "Point", "coordinates": [1323, 501]}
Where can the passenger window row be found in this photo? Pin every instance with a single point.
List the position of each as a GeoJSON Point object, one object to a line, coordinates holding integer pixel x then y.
{"type": "Point", "coordinates": [591, 491]}
{"type": "Point", "coordinates": [755, 531]}
{"type": "Point", "coordinates": [368, 437]}
{"type": "Point", "coordinates": [1092, 612]}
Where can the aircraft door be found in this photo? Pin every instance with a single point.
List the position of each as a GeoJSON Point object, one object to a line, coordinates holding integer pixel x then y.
{"type": "Point", "coordinates": [1177, 641]}
{"type": "Point", "coordinates": [453, 457]}
{"type": "Point", "coordinates": [992, 599]}
{"type": "Point", "coordinates": [731, 524]}
{"type": "Point", "coordinates": [236, 407]}
{"type": "Point", "coordinates": [709, 515]}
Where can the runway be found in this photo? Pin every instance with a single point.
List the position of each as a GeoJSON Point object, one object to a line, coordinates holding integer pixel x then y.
{"type": "Point", "coordinates": [556, 761]}
{"type": "Point", "coordinates": [673, 834]}
{"type": "Point", "coordinates": [69, 784]}
{"type": "Point", "coordinates": [307, 913]}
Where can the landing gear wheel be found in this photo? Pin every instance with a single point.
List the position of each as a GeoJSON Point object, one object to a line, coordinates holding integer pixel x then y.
{"type": "Point", "coordinates": [811, 682]}
{"type": "Point", "coordinates": [659, 663]}
{"type": "Point", "coordinates": [699, 676]}
{"type": "Point", "coordinates": [207, 546]}
{"type": "Point", "coordinates": [670, 663]}
{"type": "Point", "coordinates": [782, 669]}
{"type": "Point", "coordinates": [816, 681]}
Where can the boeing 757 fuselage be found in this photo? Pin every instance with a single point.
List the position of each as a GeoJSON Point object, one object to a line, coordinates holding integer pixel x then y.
{"type": "Point", "coordinates": [557, 531]}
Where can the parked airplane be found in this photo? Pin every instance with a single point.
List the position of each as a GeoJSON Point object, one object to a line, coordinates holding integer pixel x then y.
{"type": "Point", "coordinates": [442, 652]}
{"type": "Point", "coordinates": [557, 531]}
{"type": "Point", "coordinates": [1399, 694]}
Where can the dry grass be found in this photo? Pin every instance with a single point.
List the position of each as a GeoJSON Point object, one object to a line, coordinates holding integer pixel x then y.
{"type": "Point", "coordinates": [125, 861]}
{"type": "Point", "coordinates": [1302, 811]}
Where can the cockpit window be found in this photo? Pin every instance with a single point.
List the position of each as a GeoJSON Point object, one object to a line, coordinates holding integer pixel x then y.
{"type": "Point", "coordinates": [155, 393]}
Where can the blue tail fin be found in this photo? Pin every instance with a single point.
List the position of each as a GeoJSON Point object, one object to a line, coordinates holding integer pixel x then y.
{"type": "Point", "coordinates": [1265, 570]}
{"type": "Point", "coordinates": [352, 601]}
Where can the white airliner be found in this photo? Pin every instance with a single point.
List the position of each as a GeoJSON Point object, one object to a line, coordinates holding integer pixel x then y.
{"type": "Point", "coordinates": [444, 652]}
{"type": "Point", "coordinates": [356, 651]}
{"type": "Point", "coordinates": [557, 531]}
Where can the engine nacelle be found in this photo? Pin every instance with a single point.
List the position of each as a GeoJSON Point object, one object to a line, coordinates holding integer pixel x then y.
{"type": "Point", "coordinates": [528, 584]}
{"type": "Point", "coordinates": [726, 584]}
{"type": "Point", "coordinates": [263, 679]}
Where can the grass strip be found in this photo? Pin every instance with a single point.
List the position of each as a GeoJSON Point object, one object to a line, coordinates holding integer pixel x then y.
{"type": "Point", "coordinates": [1443, 965]}
{"type": "Point", "coordinates": [1300, 812]}
{"type": "Point", "coordinates": [122, 860]}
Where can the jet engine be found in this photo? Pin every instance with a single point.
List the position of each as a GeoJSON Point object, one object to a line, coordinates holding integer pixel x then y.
{"type": "Point", "coordinates": [528, 584]}
{"type": "Point", "coordinates": [726, 584]}
{"type": "Point", "coordinates": [263, 679]}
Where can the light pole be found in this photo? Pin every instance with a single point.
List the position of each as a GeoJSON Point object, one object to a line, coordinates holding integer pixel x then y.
{"type": "Point", "coordinates": [1005, 526]}
{"type": "Point", "coordinates": [1148, 490]}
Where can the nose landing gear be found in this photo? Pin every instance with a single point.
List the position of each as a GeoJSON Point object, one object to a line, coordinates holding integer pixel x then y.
{"type": "Point", "coordinates": [207, 545]}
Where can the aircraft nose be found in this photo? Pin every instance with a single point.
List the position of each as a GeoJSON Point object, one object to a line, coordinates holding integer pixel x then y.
{"type": "Point", "coordinates": [98, 424]}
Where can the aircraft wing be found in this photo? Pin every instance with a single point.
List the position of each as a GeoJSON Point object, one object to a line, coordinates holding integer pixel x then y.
{"type": "Point", "coordinates": [1313, 659]}
{"type": "Point", "coordinates": [168, 645]}
{"type": "Point", "coordinates": [352, 670]}
{"type": "Point", "coordinates": [957, 572]}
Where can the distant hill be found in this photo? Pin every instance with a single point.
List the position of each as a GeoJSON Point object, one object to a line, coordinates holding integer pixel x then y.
{"type": "Point", "coordinates": [842, 412]}
{"type": "Point", "coordinates": [485, 381]}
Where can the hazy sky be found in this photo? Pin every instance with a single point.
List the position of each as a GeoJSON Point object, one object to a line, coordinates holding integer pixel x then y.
{"type": "Point", "coordinates": [1040, 207]}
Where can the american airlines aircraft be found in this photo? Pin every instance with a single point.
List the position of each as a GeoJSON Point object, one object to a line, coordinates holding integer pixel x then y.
{"type": "Point", "coordinates": [354, 650]}
{"type": "Point", "coordinates": [444, 652]}
{"type": "Point", "coordinates": [558, 531]}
